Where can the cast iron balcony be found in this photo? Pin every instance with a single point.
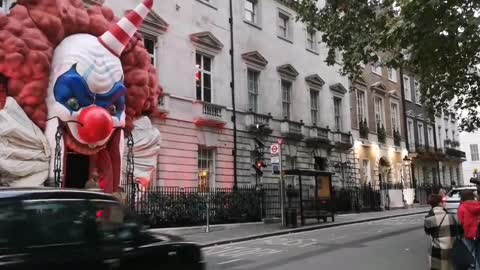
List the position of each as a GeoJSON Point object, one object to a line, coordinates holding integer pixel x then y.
{"type": "Point", "coordinates": [454, 153]}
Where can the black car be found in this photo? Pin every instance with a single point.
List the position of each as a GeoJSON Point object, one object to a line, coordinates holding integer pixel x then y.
{"type": "Point", "coordinates": [77, 229]}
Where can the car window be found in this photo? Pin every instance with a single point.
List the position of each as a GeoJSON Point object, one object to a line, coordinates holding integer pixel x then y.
{"type": "Point", "coordinates": [54, 222]}
{"type": "Point", "coordinates": [113, 222]}
{"type": "Point", "coordinates": [455, 193]}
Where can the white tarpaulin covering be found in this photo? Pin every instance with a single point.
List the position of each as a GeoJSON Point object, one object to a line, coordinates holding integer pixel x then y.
{"type": "Point", "coordinates": [145, 149]}
{"type": "Point", "coordinates": [24, 150]}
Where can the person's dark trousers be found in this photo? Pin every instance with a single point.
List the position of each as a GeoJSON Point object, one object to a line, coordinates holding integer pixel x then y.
{"type": "Point", "coordinates": [474, 247]}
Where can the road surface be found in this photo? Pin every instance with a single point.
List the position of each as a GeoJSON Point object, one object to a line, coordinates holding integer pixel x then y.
{"type": "Point", "coordinates": [391, 244]}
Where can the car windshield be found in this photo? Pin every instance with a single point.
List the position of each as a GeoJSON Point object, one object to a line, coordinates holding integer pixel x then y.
{"type": "Point", "coordinates": [456, 192]}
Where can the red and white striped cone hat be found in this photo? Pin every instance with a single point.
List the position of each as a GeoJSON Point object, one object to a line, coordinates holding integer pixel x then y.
{"type": "Point", "coordinates": [118, 36]}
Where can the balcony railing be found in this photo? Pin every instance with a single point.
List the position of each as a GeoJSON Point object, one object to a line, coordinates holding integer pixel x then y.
{"type": "Point", "coordinates": [319, 137]}
{"type": "Point", "coordinates": [213, 111]}
{"type": "Point", "coordinates": [292, 130]}
{"type": "Point", "coordinates": [295, 127]}
{"type": "Point", "coordinates": [323, 133]}
{"type": "Point", "coordinates": [258, 123]}
{"type": "Point", "coordinates": [209, 114]}
{"type": "Point", "coordinates": [455, 153]}
{"type": "Point", "coordinates": [342, 139]}
{"type": "Point", "coordinates": [254, 119]}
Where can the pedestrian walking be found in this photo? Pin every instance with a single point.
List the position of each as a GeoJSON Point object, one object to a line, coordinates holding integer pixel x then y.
{"type": "Point", "coordinates": [469, 216]}
{"type": "Point", "coordinates": [441, 227]}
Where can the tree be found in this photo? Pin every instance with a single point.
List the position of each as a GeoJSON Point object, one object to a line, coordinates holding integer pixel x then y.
{"type": "Point", "coordinates": [439, 40]}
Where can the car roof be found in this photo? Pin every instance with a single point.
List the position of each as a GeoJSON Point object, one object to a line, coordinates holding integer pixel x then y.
{"type": "Point", "coordinates": [464, 188]}
{"type": "Point", "coordinates": [41, 193]}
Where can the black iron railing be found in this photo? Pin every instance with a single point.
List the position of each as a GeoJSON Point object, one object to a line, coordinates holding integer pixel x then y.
{"type": "Point", "coordinates": [175, 206]}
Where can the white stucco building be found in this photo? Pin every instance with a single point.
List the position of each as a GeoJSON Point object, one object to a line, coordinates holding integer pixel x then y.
{"type": "Point", "coordinates": [469, 143]}
{"type": "Point", "coordinates": [281, 82]}
{"type": "Point", "coordinates": [452, 149]}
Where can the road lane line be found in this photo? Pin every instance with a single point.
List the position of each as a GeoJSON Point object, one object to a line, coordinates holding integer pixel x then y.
{"type": "Point", "coordinates": [310, 231]}
{"type": "Point", "coordinates": [231, 261]}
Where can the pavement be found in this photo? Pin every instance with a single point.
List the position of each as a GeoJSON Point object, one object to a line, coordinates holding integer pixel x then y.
{"type": "Point", "coordinates": [232, 233]}
{"type": "Point", "coordinates": [388, 244]}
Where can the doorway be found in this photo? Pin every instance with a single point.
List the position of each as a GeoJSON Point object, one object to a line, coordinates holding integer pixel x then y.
{"type": "Point", "coordinates": [76, 170]}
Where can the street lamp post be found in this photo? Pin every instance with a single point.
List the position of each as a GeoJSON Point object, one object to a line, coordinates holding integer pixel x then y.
{"type": "Point", "coordinates": [232, 85]}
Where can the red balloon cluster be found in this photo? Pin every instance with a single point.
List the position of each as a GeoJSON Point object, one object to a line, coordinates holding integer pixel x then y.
{"type": "Point", "coordinates": [32, 30]}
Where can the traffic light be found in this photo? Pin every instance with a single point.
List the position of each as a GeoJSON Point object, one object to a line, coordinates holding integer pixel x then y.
{"type": "Point", "coordinates": [259, 157]}
{"type": "Point", "coordinates": [258, 166]}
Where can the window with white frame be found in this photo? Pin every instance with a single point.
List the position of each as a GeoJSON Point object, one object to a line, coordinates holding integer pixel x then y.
{"type": "Point", "coordinates": [251, 11]}
{"type": "Point", "coordinates": [377, 68]}
{"type": "Point", "coordinates": [421, 134]}
{"type": "Point", "coordinates": [446, 134]}
{"type": "Point", "coordinates": [474, 152]}
{"type": "Point", "coordinates": [150, 43]}
{"type": "Point", "coordinates": [392, 74]}
{"type": "Point", "coordinates": [379, 121]}
{"type": "Point", "coordinates": [411, 134]}
{"type": "Point", "coordinates": [286, 98]}
{"type": "Point", "coordinates": [312, 40]}
{"type": "Point", "coordinates": [417, 92]}
{"type": "Point", "coordinates": [203, 77]}
{"type": "Point", "coordinates": [453, 135]}
{"type": "Point", "coordinates": [430, 136]}
{"type": "Point", "coordinates": [283, 25]}
{"type": "Point", "coordinates": [407, 88]}
{"type": "Point", "coordinates": [337, 109]}
{"type": "Point", "coordinates": [314, 106]}
{"type": "Point", "coordinates": [206, 167]}
{"type": "Point", "coordinates": [361, 106]}
{"type": "Point", "coordinates": [395, 117]}
{"type": "Point", "coordinates": [252, 81]}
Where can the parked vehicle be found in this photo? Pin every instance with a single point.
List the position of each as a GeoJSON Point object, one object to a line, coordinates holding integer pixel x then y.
{"type": "Point", "coordinates": [452, 200]}
{"type": "Point", "coordinates": [42, 228]}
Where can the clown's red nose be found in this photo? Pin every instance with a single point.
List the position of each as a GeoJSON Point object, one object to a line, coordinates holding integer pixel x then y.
{"type": "Point", "coordinates": [96, 126]}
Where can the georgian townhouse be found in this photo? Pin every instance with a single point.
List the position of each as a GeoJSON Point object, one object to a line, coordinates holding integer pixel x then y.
{"type": "Point", "coordinates": [433, 142]}
{"type": "Point", "coordinates": [421, 132]}
{"type": "Point", "coordinates": [377, 124]}
{"type": "Point", "coordinates": [283, 89]}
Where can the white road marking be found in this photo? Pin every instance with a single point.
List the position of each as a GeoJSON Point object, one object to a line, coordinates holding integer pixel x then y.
{"type": "Point", "coordinates": [235, 252]}
{"type": "Point", "coordinates": [312, 231]}
{"type": "Point", "coordinates": [231, 261]}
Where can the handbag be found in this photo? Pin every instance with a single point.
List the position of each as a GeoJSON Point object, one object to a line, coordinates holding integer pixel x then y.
{"type": "Point", "coordinates": [462, 257]}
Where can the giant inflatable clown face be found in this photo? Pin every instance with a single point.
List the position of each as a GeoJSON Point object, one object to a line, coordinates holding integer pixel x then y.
{"type": "Point", "coordinates": [86, 91]}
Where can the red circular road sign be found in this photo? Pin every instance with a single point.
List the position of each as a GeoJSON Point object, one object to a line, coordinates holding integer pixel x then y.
{"type": "Point", "coordinates": [274, 149]}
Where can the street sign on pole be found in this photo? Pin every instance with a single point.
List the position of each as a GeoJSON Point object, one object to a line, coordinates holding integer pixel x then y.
{"type": "Point", "coordinates": [274, 149]}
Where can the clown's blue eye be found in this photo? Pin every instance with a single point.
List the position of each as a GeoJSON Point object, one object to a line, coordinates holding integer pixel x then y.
{"type": "Point", "coordinates": [72, 103]}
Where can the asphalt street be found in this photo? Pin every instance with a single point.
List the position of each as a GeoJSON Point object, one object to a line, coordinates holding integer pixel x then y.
{"type": "Point", "coordinates": [391, 244]}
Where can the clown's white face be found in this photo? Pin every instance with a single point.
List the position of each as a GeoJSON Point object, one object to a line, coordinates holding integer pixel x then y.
{"type": "Point", "coordinates": [85, 75]}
